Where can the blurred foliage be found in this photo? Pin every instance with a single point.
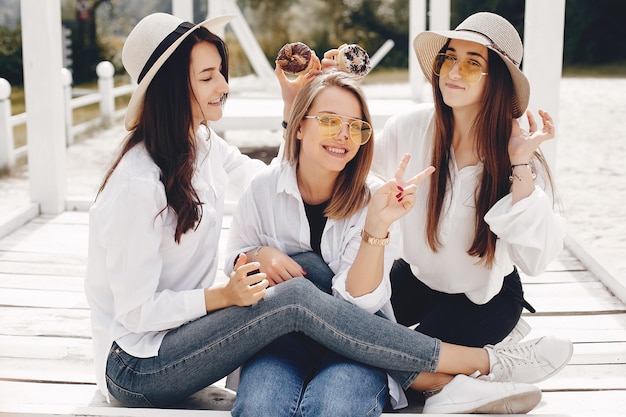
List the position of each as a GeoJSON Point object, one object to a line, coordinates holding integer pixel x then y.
{"type": "Point", "coordinates": [327, 24]}
{"type": "Point", "coordinates": [11, 54]}
{"type": "Point", "coordinates": [592, 36]}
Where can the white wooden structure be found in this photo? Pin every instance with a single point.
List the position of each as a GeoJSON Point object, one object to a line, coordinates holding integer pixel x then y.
{"type": "Point", "coordinates": [43, 89]}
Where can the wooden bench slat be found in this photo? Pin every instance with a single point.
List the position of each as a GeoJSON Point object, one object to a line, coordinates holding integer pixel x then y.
{"type": "Point", "coordinates": [45, 322]}
{"type": "Point", "coordinates": [57, 348]}
{"type": "Point", "coordinates": [42, 258]}
{"type": "Point", "coordinates": [43, 282]}
{"type": "Point", "coordinates": [572, 298]}
{"type": "Point", "coordinates": [42, 269]}
{"type": "Point", "coordinates": [47, 370]}
{"type": "Point", "coordinates": [42, 298]}
{"type": "Point", "coordinates": [584, 377]}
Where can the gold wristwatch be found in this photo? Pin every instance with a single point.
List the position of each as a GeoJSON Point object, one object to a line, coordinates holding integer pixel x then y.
{"type": "Point", "coordinates": [374, 241]}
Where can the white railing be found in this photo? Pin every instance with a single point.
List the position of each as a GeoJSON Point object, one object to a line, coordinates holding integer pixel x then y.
{"type": "Point", "coordinates": [105, 97]}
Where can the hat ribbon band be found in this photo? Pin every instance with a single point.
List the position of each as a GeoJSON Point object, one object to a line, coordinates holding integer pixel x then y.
{"type": "Point", "coordinates": [492, 45]}
{"type": "Point", "coordinates": [162, 47]}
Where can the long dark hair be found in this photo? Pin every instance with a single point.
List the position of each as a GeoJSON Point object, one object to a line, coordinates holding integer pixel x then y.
{"type": "Point", "coordinates": [165, 127]}
{"type": "Point", "coordinates": [491, 128]}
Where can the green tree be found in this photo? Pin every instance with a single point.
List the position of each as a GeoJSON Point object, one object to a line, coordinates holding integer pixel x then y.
{"type": "Point", "coordinates": [11, 54]}
{"type": "Point", "coordinates": [594, 32]}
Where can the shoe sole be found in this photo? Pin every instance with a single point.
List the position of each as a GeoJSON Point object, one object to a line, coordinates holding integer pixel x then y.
{"type": "Point", "coordinates": [519, 403]}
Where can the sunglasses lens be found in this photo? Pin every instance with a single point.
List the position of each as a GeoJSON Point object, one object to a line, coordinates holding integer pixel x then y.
{"type": "Point", "coordinates": [360, 132]}
{"type": "Point", "coordinates": [471, 71]}
{"type": "Point", "coordinates": [329, 125]}
{"type": "Point", "coordinates": [443, 64]}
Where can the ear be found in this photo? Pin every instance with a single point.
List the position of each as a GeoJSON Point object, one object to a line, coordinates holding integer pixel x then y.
{"type": "Point", "coordinates": [299, 132]}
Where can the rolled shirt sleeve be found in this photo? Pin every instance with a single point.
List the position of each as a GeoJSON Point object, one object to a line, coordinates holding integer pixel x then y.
{"type": "Point", "coordinates": [532, 232]}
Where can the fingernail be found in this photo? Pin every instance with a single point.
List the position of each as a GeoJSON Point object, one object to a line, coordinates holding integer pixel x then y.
{"type": "Point", "coordinates": [400, 200]}
{"type": "Point", "coordinates": [400, 188]}
{"type": "Point", "coordinates": [398, 195]}
{"type": "Point", "coordinates": [304, 272]}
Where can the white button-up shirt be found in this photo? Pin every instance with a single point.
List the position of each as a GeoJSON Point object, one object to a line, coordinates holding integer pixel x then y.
{"type": "Point", "coordinates": [140, 283]}
{"type": "Point", "coordinates": [271, 213]}
{"type": "Point", "coordinates": [530, 234]}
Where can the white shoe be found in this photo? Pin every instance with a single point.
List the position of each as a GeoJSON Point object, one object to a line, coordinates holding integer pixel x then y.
{"type": "Point", "coordinates": [519, 332]}
{"type": "Point", "coordinates": [529, 362]}
{"type": "Point", "coordinates": [465, 394]}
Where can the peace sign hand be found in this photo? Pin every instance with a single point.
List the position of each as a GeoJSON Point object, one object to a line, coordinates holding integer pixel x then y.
{"type": "Point", "coordinates": [396, 197]}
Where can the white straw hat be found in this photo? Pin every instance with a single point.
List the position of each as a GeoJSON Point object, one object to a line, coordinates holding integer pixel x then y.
{"type": "Point", "coordinates": [151, 42]}
{"type": "Point", "coordinates": [490, 30]}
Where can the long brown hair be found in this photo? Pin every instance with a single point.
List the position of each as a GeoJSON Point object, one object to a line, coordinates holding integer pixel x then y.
{"type": "Point", "coordinates": [165, 127]}
{"type": "Point", "coordinates": [491, 128]}
{"type": "Point", "coordinates": [351, 192]}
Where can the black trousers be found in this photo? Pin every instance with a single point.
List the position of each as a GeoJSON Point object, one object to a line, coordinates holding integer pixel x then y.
{"type": "Point", "coordinates": [453, 318]}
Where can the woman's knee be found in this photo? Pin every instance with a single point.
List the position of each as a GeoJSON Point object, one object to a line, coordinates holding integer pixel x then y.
{"type": "Point", "coordinates": [317, 271]}
{"type": "Point", "coordinates": [297, 291]}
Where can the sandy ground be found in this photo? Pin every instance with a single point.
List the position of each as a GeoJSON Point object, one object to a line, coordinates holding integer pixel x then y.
{"type": "Point", "coordinates": [590, 164]}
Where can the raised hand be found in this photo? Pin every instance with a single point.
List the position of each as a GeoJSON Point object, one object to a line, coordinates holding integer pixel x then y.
{"type": "Point", "coordinates": [396, 197]}
{"type": "Point", "coordinates": [329, 61]}
{"type": "Point", "coordinates": [522, 145]}
{"type": "Point", "coordinates": [290, 87]}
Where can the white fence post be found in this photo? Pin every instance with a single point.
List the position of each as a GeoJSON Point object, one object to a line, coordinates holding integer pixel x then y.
{"type": "Point", "coordinates": [66, 79]}
{"type": "Point", "coordinates": [439, 16]}
{"type": "Point", "coordinates": [7, 156]}
{"type": "Point", "coordinates": [183, 9]}
{"type": "Point", "coordinates": [105, 71]}
{"type": "Point", "coordinates": [544, 26]}
{"type": "Point", "coordinates": [417, 24]}
{"type": "Point", "coordinates": [42, 52]}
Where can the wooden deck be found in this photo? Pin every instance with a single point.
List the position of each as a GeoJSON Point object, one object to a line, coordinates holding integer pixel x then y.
{"type": "Point", "coordinates": [45, 346]}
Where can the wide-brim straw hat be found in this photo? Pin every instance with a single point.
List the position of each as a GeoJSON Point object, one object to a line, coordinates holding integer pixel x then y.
{"type": "Point", "coordinates": [490, 30]}
{"type": "Point", "coordinates": [151, 42]}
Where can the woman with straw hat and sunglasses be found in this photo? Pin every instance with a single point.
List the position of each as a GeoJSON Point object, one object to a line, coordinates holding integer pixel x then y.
{"type": "Point", "coordinates": [161, 329]}
{"type": "Point", "coordinates": [488, 209]}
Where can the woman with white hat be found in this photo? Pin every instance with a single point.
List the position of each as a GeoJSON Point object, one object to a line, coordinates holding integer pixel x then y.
{"type": "Point", "coordinates": [488, 209]}
{"type": "Point", "coordinates": [161, 330]}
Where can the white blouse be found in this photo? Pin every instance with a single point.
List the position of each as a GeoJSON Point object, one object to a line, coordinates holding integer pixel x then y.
{"type": "Point", "coordinates": [140, 283]}
{"type": "Point", "coordinates": [271, 213]}
{"type": "Point", "coordinates": [530, 234]}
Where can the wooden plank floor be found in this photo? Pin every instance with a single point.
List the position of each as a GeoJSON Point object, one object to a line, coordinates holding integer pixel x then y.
{"type": "Point", "coordinates": [45, 345]}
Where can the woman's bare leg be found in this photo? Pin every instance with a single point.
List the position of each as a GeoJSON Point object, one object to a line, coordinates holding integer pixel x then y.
{"type": "Point", "coordinates": [453, 360]}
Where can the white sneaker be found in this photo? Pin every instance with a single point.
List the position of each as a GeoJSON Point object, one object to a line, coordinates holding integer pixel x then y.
{"type": "Point", "coordinates": [464, 395]}
{"type": "Point", "coordinates": [529, 362]}
{"type": "Point", "coordinates": [519, 332]}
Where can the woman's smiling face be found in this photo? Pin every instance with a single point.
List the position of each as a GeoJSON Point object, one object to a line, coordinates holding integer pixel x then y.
{"type": "Point", "coordinates": [208, 85]}
{"type": "Point", "coordinates": [329, 154]}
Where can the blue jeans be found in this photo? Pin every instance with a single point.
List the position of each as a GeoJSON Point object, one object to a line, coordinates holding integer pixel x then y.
{"type": "Point", "coordinates": [205, 350]}
{"type": "Point", "coordinates": [306, 379]}
{"type": "Point", "coordinates": [296, 377]}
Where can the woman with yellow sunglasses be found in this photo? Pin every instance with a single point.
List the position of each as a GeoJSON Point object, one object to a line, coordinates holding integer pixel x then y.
{"type": "Point", "coordinates": [319, 202]}
{"type": "Point", "coordinates": [489, 208]}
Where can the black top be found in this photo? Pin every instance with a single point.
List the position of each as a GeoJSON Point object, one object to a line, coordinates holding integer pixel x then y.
{"type": "Point", "coordinates": [317, 221]}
